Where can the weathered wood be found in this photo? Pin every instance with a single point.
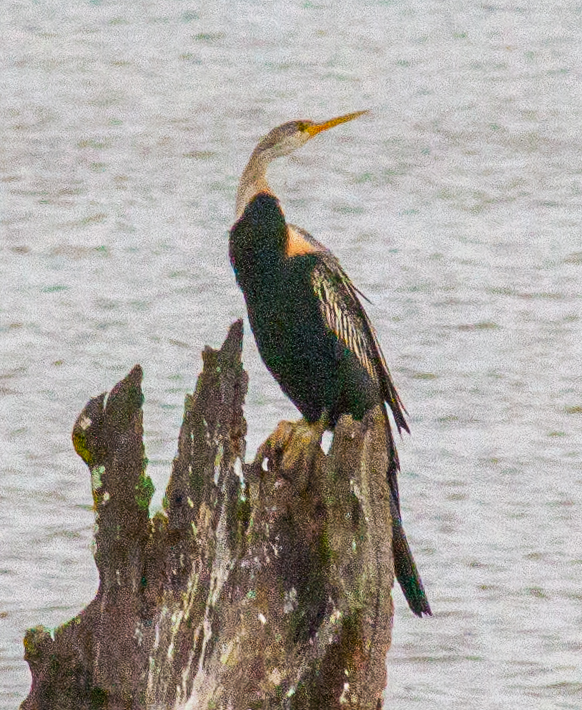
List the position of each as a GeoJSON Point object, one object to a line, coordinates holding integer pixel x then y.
{"type": "Point", "coordinates": [259, 586]}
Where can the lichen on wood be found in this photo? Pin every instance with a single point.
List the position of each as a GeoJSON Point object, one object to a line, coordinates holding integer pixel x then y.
{"type": "Point", "coordinates": [263, 585]}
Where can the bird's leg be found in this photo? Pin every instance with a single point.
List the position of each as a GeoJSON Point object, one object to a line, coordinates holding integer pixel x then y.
{"type": "Point", "coordinates": [291, 448]}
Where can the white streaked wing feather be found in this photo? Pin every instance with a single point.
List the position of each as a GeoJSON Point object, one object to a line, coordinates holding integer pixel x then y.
{"type": "Point", "coordinates": [341, 310]}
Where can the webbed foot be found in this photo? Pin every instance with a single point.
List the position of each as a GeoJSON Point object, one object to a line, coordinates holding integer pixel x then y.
{"type": "Point", "coordinates": [290, 449]}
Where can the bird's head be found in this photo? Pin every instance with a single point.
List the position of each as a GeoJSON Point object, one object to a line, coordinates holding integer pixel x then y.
{"type": "Point", "coordinates": [292, 135]}
{"type": "Point", "coordinates": [280, 141]}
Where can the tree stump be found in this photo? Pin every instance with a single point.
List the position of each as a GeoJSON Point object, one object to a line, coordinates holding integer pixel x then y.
{"type": "Point", "coordinates": [263, 585]}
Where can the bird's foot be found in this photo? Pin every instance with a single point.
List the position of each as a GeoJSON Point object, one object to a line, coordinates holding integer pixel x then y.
{"type": "Point", "coordinates": [291, 448]}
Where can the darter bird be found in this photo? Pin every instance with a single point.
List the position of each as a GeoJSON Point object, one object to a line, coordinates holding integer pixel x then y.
{"type": "Point", "coordinates": [309, 324]}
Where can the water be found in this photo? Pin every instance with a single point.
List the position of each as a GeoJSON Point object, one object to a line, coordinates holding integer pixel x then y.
{"type": "Point", "coordinates": [455, 206]}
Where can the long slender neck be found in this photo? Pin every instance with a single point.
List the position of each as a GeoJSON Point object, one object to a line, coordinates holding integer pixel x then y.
{"type": "Point", "coordinates": [253, 181]}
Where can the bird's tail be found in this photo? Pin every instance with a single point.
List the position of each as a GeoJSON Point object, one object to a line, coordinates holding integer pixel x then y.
{"type": "Point", "coordinates": [405, 567]}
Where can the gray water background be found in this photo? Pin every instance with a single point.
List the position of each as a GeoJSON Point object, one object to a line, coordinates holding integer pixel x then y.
{"type": "Point", "coordinates": [455, 206]}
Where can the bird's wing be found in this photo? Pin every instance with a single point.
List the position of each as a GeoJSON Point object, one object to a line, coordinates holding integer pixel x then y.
{"type": "Point", "coordinates": [347, 319]}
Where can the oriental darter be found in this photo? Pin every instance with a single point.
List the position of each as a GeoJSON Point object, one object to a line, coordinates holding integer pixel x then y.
{"type": "Point", "coordinates": [309, 324]}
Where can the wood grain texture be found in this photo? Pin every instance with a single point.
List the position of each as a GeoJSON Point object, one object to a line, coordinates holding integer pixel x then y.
{"type": "Point", "coordinates": [262, 585]}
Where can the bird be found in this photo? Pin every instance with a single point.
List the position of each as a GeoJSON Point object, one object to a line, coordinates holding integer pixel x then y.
{"type": "Point", "coordinates": [309, 324]}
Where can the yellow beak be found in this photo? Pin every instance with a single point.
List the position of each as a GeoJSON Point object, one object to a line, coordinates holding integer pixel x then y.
{"type": "Point", "coordinates": [318, 127]}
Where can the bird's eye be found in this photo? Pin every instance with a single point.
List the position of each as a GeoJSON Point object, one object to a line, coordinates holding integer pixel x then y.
{"type": "Point", "coordinates": [301, 125]}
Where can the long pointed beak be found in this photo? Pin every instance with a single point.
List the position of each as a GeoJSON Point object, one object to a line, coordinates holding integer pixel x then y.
{"type": "Point", "coordinates": [319, 127]}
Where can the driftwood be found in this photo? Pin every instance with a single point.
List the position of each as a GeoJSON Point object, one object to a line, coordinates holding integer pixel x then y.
{"type": "Point", "coordinates": [259, 586]}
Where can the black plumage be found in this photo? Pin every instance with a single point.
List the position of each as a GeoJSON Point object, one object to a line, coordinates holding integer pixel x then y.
{"type": "Point", "coordinates": [317, 340]}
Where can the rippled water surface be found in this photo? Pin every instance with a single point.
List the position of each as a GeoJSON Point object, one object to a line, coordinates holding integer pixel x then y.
{"type": "Point", "coordinates": [455, 206]}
